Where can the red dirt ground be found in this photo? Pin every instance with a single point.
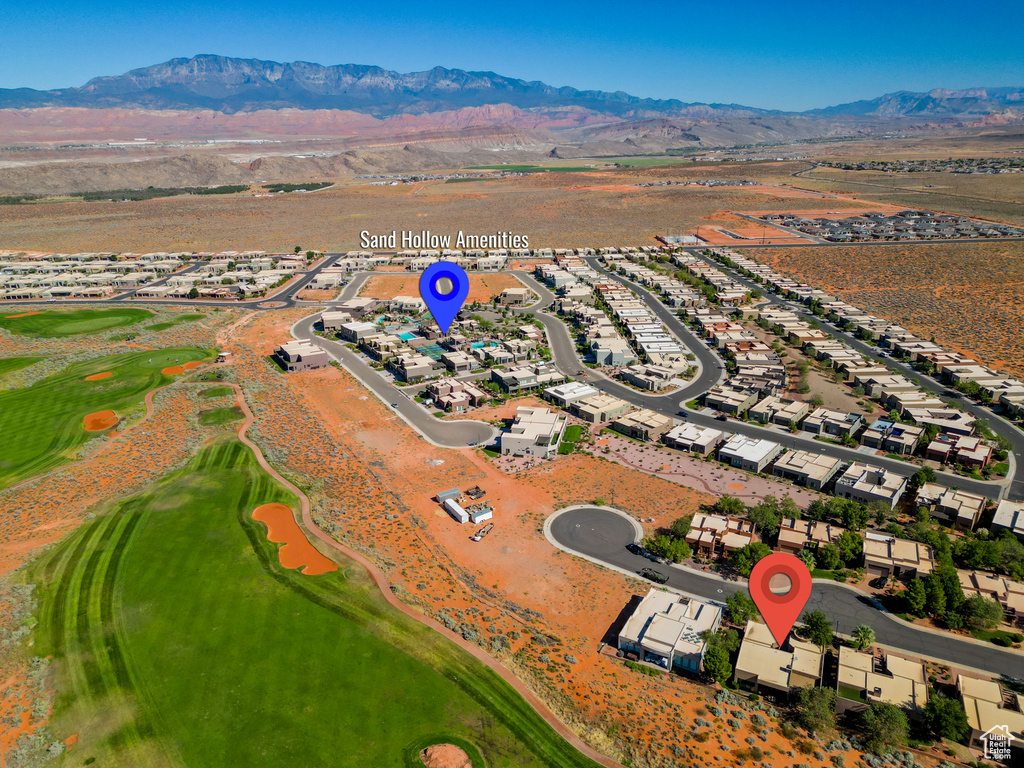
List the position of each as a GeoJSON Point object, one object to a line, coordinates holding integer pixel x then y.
{"type": "Point", "coordinates": [23, 314]}
{"type": "Point", "coordinates": [297, 551]}
{"type": "Point", "coordinates": [174, 370]}
{"type": "Point", "coordinates": [97, 422]}
{"type": "Point", "coordinates": [98, 376]}
{"type": "Point", "coordinates": [445, 756]}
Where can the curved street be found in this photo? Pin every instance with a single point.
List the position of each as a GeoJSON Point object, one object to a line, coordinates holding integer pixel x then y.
{"type": "Point", "coordinates": [602, 535]}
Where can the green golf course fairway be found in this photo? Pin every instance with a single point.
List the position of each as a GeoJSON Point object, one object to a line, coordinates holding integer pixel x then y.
{"type": "Point", "coordinates": [178, 638]}
{"type": "Point", "coordinates": [72, 322]}
{"type": "Point", "coordinates": [47, 417]}
{"type": "Point", "coordinates": [176, 320]}
{"type": "Point", "coordinates": [12, 364]}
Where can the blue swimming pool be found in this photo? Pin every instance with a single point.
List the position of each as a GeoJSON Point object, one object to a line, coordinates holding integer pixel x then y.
{"type": "Point", "coordinates": [407, 335]}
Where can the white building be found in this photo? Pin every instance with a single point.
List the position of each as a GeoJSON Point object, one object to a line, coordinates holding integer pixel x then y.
{"type": "Point", "coordinates": [866, 484]}
{"type": "Point", "coordinates": [749, 453]}
{"type": "Point", "coordinates": [665, 630]}
{"type": "Point", "coordinates": [535, 432]}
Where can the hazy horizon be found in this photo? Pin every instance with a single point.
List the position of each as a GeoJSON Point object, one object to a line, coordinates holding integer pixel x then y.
{"type": "Point", "coordinates": [800, 56]}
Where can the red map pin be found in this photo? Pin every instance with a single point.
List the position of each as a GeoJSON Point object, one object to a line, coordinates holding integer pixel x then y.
{"type": "Point", "coordinates": [780, 611]}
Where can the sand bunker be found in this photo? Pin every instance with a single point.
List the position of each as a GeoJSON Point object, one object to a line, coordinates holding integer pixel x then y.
{"type": "Point", "coordinates": [297, 551]}
{"type": "Point", "coordinates": [174, 370]}
{"type": "Point", "coordinates": [445, 756]}
{"type": "Point", "coordinates": [23, 314]}
{"type": "Point", "coordinates": [96, 422]}
{"type": "Point", "coordinates": [98, 376]}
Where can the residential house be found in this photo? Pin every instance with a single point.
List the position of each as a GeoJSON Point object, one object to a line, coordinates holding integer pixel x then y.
{"type": "Point", "coordinates": [600, 408]}
{"type": "Point", "coordinates": [300, 356]}
{"type": "Point", "coordinates": [797, 535]}
{"type": "Point", "coordinates": [812, 470]}
{"type": "Point", "coordinates": [563, 395]}
{"type": "Point", "coordinates": [1009, 594]}
{"type": "Point", "coordinates": [892, 437]}
{"type": "Point", "coordinates": [864, 679]}
{"type": "Point", "coordinates": [959, 508]}
{"type": "Point", "coordinates": [694, 439]}
{"type": "Point", "coordinates": [749, 453]}
{"type": "Point", "coordinates": [665, 630]}
{"type": "Point", "coordinates": [643, 424]}
{"type": "Point", "coordinates": [990, 707]}
{"type": "Point", "coordinates": [866, 484]}
{"type": "Point", "coordinates": [825, 421]}
{"type": "Point", "coordinates": [534, 432]}
{"type": "Point", "coordinates": [762, 667]}
{"type": "Point", "coordinates": [887, 556]}
{"type": "Point", "coordinates": [779, 410]}
{"type": "Point", "coordinates": [1009, 516]}
{"type": "Point", "coordinates": [718, 535]}
{"type": "Point", "coordinates": [726, 399]}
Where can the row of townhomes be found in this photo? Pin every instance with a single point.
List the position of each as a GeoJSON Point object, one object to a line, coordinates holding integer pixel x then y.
{"type": "Point", "coordinates": [158, 275]}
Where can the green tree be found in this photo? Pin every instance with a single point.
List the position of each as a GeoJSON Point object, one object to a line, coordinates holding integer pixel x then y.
{"type": "Point", "coordinates": [788, 508]}
{"type": "Point", "coordinates": [946, 718]}
{"type": "Point", "coordinates": [668, 547]}
{"type": "Point", "coordinates": [766, 517]}
{"type": "Point", "coordinates": [935, 596]}
{"type": "Point", "coordinates": [807, 558]}
{"type": "Point", "coordinates": [744, 560]}
{"type": "Point", "coordinates": [193, 293]}
{"type": "Point", "coordinates": [980, 612]}
{"type": "Point", "coordinates": [818, 628]}
{"type": "Point", "coordinates": [922, 476]}
{"type": "Point", "coordinates": [915, 597]}
{"type": "Point", "coordinates": [740, 608]}
{"type": "Point", "coordinates": [716, 663]}
{"type": "Point", "coordinates": [855, 517]}
{"type": "Point", "coordinates": [885, 727]}
{"type": "Point", "coordinates": [681, 527]}
{"type": "Point", "coordinates": [816, 709]}
{"type": "Point", "coordinates": [828, 557]}
{"type": "Point", "coordinates": [863, 637]}
{"type": "Point", "coordinates": [730, 505]}
{"type": "Point", "coordinates": [298, 248]}
{"type": "Point", "coordinates": [850, 547]}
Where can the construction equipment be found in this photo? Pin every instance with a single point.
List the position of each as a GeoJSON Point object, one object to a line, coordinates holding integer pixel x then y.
{"type": "Point", "coordinates": [483, 532]}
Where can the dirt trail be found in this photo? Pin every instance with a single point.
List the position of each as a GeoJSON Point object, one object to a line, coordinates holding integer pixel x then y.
{"type": "Point", "coordinates": [385, 588]}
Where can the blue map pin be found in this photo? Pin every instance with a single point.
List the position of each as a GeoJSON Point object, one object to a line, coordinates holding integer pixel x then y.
{"type": "Point", "coordinates": [444, 297]}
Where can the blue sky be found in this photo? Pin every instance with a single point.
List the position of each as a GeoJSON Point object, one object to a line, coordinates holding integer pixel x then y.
{"type": "Point", "coordinates": [792, 55]}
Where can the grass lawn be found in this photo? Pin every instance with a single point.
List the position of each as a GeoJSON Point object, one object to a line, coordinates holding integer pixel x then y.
{"type": "Point", "coordinates": [179, 639]}
{"type": "Point", "coordinates": [853, 694]}
{"type": "Point", "coordinates": [216, 416]}
{"type": "Point", "coordinates": [573, 434]}
{"type": "Point", "coordinates": [217, 392]}
{"type": "Point", "coordinates": [72, 322]}
{"type": "Point", "coordinates": [47, 417]}
{"type": "Point", "coordinates": [565, 448]}
{"type": "Point", "coordinates": [997, 636]}
{"type": "Point", "coordinates": [12, 364]}
{"type": "Point", "coordinates": [177, 320]}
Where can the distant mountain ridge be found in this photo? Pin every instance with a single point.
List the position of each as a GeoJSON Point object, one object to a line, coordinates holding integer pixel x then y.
{"type": "Point", "coordinates": [937, 103]}
{"type": "Point", "coordinates": [229, 85]}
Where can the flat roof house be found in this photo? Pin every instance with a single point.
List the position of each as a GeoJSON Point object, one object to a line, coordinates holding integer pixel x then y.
{"type": "Point", "coordinates": [515, 297]}
{"type": "Point", "coordinates": [356, 332]}
{"type": "Point", "coordinates": [892, 437]}
{"type": "Point", "coordinates": [643, 424]}
{"type": "Point", "coordinates": [535, 432]}
{"type": "Point", "coordinates": [332, 320]}
{"type": "Point", "coordinates": [885, 555]}
{"type": "Point", "coordinates": [762, 664]}
{"type": "Point", "coordinates": [651, 377]}
{"type": "Point", "coordinates": [779, 410]}
{"type": "Point", "coordinates": [564, 395]}
{"type": "Point", "coordinates": [300, 356]}
{"type": "Point", "coordinates": [716, 535]}
{"type": "Point", "coordinates": [989, 706]}
{"type": "Point", "coordinates": [812, 470]}
{"type": "Point", "coordinates": [864, 679]}
{"type": "Point", "coordinates": [749, 453]}
{"type": "Point", "coordinates": [600, 408]}
{"type": "Point", "coordinates": [960, 508]}
{"type": "Point", "coordinates": [690, 437]}
{"type": "Point", "coordinates": [797, 535]}
{"type": "Point", "coordinates": [729, 400]}
{"type": "Point", "coordinates": [665, 630]}
{"type": "Point", "coordinates": [866, 484]}
{"type": "Point", "coordinates": [1009, 594]}
{"type": "Point", "coordinates": [825, 421]}
{"type": "Point", "coordinates": [1009, 516]}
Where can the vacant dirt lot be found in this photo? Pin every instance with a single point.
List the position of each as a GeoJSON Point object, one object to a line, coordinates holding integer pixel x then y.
{"type": "Point", "coordinates": [482, 287]}
{"type": "Point", "coordinates": [555, 210]}
{"type": "Point", "coordinates": [969, 296]}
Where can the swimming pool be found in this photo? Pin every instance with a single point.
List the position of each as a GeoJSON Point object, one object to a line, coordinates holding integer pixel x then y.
{"type": "Point", "coordinates": [407, 335]}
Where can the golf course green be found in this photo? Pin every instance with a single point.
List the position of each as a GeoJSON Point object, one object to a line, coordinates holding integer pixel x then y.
{"type": "Point", "coordinates": [55, 323]}
{"type": "Point", "coordinates": [47, 417]}
{"type": "Point", "coordinates": [179, 639]}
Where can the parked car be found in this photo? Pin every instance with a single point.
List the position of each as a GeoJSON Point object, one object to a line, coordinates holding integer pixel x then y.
{"type": "Point", "coordinates": [652, 575]}
{"type": "Point", "coordinates": [721, 417]}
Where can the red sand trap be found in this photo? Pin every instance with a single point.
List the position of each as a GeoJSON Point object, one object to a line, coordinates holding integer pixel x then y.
{"type": "Point", "coordinates": [445, 756]}
{"type": "Point", "coordinates": [98, 376]}
{"type": "Point", "coordinates": [96, 422]}
{"type": "Point", "coordinates": [24, 314]}
{"type": "Point", "coordinates": [174, 370]}
{"type": "Point", "coordinates": [297, 551]}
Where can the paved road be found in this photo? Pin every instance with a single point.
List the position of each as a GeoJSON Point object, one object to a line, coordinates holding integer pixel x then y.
{"type": "Point", "coordinates": [448, 434]}
{"type": "Point", "coordinates": [999, 425]}
{"type": "Point", "coordinates": [603, 535]}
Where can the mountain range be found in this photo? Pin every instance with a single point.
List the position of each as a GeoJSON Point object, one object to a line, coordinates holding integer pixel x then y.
{"type": "Point", "coordinates": [232, 85]}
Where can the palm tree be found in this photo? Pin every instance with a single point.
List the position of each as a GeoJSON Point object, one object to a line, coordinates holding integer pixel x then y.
{"type": "Point", "coordinates": [863, 637]}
